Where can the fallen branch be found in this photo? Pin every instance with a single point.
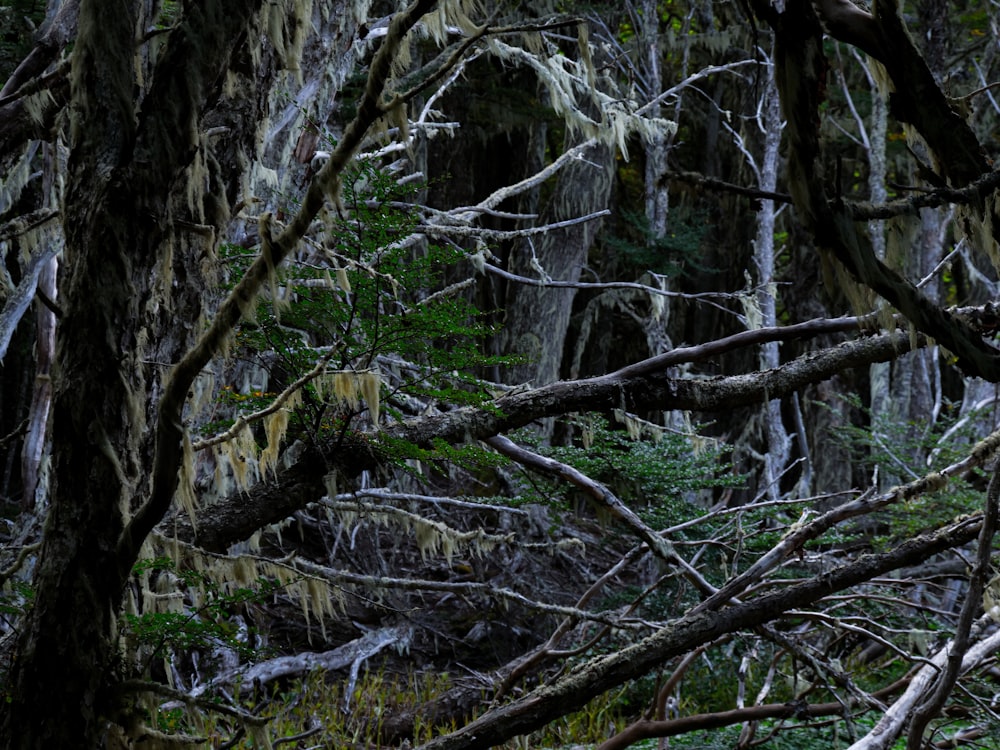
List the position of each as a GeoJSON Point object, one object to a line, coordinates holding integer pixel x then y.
{"type": "Point", "coordinates": [351, 655]}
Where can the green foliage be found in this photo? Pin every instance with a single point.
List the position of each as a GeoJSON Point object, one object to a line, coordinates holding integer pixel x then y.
{"type": "Point", "coordinates": [651, 473]}
{"type": "Point", "coordinates": [321, 700]}
{"type": "Point", "coordinates": [18, 19]}
{"type": "Point", "coordinates": [15, 598]}
{"type": "Point", "coordinates": [675, 253]}
{"type": "Point", "coordinates": [384, 306]}
{"type": "Point", "coordinates": [902, 451]}
{"type": "Point", "coordinates": [169, 12]}
{"type": "Point", "coordinates": [601, 718]}
{"type": "Point", "coordinates": [205, 626]}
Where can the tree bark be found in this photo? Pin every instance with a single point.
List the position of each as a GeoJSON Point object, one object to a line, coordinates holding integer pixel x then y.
{"type": "Point", "coordinates": [123, 165]}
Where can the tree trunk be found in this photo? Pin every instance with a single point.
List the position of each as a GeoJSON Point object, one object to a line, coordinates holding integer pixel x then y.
{"type": "Point", "coordinates": [778, 442]}
{"type": "Point", "coordinates": [538, 318]}
{"type": "Point", "coordinates": [121, 254]}
{"type": "Point", "coordinates": [60, 685]}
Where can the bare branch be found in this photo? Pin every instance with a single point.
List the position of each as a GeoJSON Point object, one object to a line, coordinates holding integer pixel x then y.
{"type": "Point", "coordinates": [645, 729]}
{"type": "Point", "coordinates": [680, 636]}
{"type": "Point", "coordinates": [848, 23]}
{"type": "Point", "coordinates": [603, 496]}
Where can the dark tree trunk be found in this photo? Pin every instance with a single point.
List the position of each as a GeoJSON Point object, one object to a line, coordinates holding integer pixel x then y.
{"type": "Point", "coordinates": [60, 680]}
{"type": "Point", "coordinates": [124, 187]}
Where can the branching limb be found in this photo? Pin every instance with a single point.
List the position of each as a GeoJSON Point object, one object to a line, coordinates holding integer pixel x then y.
{"type": "Point", "coordinates": [848, 23]}
{"type": "Point", "coordinates": [435, 230]}
{"type": "Point", "coordinates": [348, 655]}
{"type": "Point", "coordinates": [800, 64]}
{"type": "Point", "coordinates": [644, 386]}
{"type": "Point", "coordinates": [607, 285]}
{"type": "Point", "coordinates": [945, 682]}
{"type": "Point", "coordinates": [156, 688]}
{"type": "Point", "coordinates": [455, 587]}
{"type": "Point", "coordinates": [55, 35]}
{"type": "Point", "coordinates": [712, 183]}
{"type": "Point", "coordinates": [681, 636]}
{"type": "Point", "coordinates": [646, 729]}
{"type": "Point", "coordinates": [170, 432]}
{"type": "Point", "coordinates": [243, 421]}
{"type": "Point", "coordinates": [23, 554]}
{"type": "Point", "coordinates": [532, 660]}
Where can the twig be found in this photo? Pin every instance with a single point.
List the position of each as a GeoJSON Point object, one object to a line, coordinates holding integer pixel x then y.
{"type": "Point", "coordinates": [243, 421]}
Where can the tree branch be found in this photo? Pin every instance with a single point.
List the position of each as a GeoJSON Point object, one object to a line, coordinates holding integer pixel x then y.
{"type": "Point", "coordinates": [639, 387]}
{"type": "Point", "coordinates": [646, 729]}
{"type": "Point", "coordinates": [573, 691]}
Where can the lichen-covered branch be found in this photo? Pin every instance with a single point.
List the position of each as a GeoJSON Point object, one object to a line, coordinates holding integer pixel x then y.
{"type": "Point", "coordinates": [642, 386]}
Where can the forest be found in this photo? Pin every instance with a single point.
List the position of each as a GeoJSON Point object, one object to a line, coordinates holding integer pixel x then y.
{"type": "Point", "coordinates": [451, 374]}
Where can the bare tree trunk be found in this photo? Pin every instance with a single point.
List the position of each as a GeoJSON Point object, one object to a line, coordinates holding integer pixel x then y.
{"type": "Point", "coordinates": [874, 138]}
{"type": "Point", "coordinates": [778, 441]}
{"type": "Point", "coordinates": [538, 318]}
{"type": "Point", "coordinates": [79, 579]}
{"type": "Point", "coordinates": [656, 194]}
{"type": "Point", "coordinates": [36, 437]}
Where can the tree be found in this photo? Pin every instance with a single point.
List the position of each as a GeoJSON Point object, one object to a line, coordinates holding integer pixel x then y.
{"type": "Point", "coordinates": [151, 148]}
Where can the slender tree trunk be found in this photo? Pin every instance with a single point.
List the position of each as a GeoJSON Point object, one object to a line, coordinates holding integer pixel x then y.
{"type": "Point", "coordinates": [778, 441]}
{"type": "Point", "coordinates": [36, 437]}
{"type": "Point", "coordinates": [657, 197]}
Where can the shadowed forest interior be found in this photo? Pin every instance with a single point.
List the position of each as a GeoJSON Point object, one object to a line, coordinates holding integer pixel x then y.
{"type": "Point", "coordinates": [452, 374]}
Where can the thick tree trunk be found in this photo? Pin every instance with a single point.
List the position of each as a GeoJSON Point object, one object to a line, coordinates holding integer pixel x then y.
{"type": "Point", "coordinates": [121, 252]}
{"type": "Point", "coordinates": [60, 680]}
{"type": "Point", "coordinates": [538, 318]}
